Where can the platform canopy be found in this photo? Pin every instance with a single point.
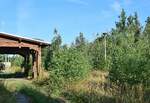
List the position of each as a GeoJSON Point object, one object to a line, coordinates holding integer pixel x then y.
{"type": "Point", "coordinates": [26, 47]}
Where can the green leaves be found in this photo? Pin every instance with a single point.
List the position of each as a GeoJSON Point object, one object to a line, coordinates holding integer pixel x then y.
{"type": "Point", "coordinates": [129, 63]}
{"type": "Point", "coordinates": [70, 64]}
{"type": "Point", "coordinates": [130, 52]}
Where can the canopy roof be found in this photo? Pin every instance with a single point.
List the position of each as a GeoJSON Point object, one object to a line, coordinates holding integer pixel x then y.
{"type": "Point", "coordinates": [24, 39]}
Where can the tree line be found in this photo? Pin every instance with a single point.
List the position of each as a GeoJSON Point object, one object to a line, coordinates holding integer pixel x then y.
{"type": "Point", "coordinates": [124, 52]}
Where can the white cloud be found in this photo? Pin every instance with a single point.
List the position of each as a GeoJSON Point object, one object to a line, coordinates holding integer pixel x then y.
{"type": "Point", "coordinates": [116, 6]}
{"type": "Point", "coordinates": [81, 2]}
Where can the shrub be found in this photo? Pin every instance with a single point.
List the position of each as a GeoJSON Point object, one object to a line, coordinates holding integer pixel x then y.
{"type": "Point", "coordinates": [71, 64]}
{"type": "Point", "coordinates": [130, 65]}
{"type": "Point", "coordinates": [67, 65]}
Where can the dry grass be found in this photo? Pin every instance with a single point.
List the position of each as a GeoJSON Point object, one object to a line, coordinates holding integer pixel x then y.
{"type": "Point", "coordinates": [98, 89]}
{"type": "Point", "coordinates": [13, 69]}
{"type": "Point", "coordinates": [95, 80]}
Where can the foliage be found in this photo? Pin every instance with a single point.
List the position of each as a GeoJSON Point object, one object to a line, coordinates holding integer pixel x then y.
{"type": "Point", "coordinates": [130, 56]}
{"type": "Point", "coordinates": [70, 64]}
{"type": "Point", "coordinates": [55, 45]}
{"type": "Point", "coordinates": [97, 53]}
{"type": "Point", "coordinates": [96, 90]}
{"type": "Point", "coordinates": [127, 49]}
{"type": "Point", "coordinates": [17, 61]}
{"type": "Point", "coordinates": [65, 64]}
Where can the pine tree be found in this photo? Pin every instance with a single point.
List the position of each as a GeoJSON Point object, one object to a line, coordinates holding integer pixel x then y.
{"type": "Point", "coordinates": [121, 25]}
{"type": "Point", "coordinates": [147, 30]}
{"type": "Point", "coordinates": [130, 24]}
{"type": "Point", "coordinates": [137, 29]}
{"type": "Point", "coordinates": [80, 42]}
{"type": "Point", "coordinates": [55, 46]}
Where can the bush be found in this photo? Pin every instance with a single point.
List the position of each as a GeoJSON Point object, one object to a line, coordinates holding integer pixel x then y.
{"type": "Point", "coordinates": [130, 65]}
{"type": "Point", "coordinates": [67, 65]}
{"type": "Point", "coordinates": [71, 64]}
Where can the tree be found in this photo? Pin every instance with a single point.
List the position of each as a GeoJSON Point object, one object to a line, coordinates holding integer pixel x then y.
{"type": "Point", "coordinates": [146, 31]}
{"type": "Point", "coordinates": [133, 28]}
{"type": "Point", "coordinates": [65, 63]}
{"type": "Point", "coordinates": [137, 29]}
{"type": "Point", "coordinates": [17, 60]}
{"type": "Point", "coordinates": [130, 56]}
{"type": "Point", "coordinates": [80, 42]}
{"type": "Point", "coordinates": [55, 46]}
{"type": "Point", "coordinates": [121, 25]}
{"type": "Point", "coordinates": [98, 58]}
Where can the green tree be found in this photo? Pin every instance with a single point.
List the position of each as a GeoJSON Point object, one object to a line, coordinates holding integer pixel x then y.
{"type": "Point", "coordinates": [80, 42]}
{"type": "Point", "coordinates": [17, 60]}
{"type": "Point", "coordinates": [137, 28]}
{"type": "Point", "coordinates": [146, 31]}
{"type": "Point", "coordinates": [97, 53]}
{"type": "Point", "coordinates": [121, 25]}
{"type": "Point", "coordinates": [130, 56]}
{"type": "Point", "coordinates": [54, 47]}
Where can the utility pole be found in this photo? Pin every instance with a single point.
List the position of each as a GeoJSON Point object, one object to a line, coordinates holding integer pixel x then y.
{"type": "Point", "coordinates": [105, 45]}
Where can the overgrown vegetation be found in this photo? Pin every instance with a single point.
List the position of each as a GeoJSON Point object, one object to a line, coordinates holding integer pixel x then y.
{"type": "Point", "coordinates": [124, 52]}
{"type": "Point", "coordinates": [114, 68]}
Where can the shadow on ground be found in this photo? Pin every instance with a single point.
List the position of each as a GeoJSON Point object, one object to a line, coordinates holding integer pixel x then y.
{"type": "Point", "coordinates": [34, 95]}
{"type": "Point", "coordinates": [12, 75]}
{"type": "Point", "coordinates": [39, 97]}
{"type": "Point", "coordinates": [5, 95]}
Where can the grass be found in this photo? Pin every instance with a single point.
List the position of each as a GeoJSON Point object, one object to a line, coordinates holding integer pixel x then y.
{"type": "Point", "coordinates": [5, 95]}
{"type": "Point", "coordinates": [12, 72]}
{"type": "Point", "coordinates": [26, 87]}
{"type": "Point", "coordinates": [98, 89]}
{"type": "Point", "coordinates": [94, 89]}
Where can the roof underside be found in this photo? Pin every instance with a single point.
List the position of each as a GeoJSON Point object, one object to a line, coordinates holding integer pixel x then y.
{"type": "Point", "coordinates": [24, 39]}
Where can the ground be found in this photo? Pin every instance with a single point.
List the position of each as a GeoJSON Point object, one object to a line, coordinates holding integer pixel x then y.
{"type": "Point", "coordinates": [95, 87]}
{"type": "Point", "coordinates": [20, 91]}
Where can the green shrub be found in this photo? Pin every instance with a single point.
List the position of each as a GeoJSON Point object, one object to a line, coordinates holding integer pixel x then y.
{"type": "Point", "coordinates": [68, 65]}
{"type": "Point", "coordinates": [147, 95]}
{"type": "Point", "coordinates": [130, 65]}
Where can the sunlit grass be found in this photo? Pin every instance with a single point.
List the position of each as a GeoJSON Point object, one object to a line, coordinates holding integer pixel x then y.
{"type": "Point", "coordinates": [98, 89]}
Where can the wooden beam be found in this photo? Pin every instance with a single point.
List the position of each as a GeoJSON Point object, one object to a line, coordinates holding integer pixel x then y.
{"type": "Point", "coordinates": [19, 45]}
{"type": "Point", "coordinates": [34, 63]}
{"type": "Point", "coordinates": [39, 61]}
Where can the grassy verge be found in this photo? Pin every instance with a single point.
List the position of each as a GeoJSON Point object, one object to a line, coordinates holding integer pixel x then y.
{"type": "Point", "coordinates": [97, 89]}
{"type": "Point", "coordinates": [5, 95]}
{"type": "Point", "coordinates": [26, 87]}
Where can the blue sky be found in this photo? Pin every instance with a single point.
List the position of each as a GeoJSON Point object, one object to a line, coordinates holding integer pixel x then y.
{"type": "Point", "coordinates": [38, 18]}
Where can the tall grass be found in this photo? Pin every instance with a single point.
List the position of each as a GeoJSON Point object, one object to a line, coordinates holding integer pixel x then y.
{"type": "Point", "coordinates": [97, 89]}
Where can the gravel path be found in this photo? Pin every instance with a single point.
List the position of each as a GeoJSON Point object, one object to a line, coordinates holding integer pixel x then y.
{"type": "Point", "coordinates": [21, 98]}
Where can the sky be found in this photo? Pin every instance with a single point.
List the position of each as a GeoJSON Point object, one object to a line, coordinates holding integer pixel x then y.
{"type": "Point", "coordinates": [38, 18]}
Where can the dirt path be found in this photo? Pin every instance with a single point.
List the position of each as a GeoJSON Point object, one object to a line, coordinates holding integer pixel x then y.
{"type": "Point", "coordinates": [21, 98]}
